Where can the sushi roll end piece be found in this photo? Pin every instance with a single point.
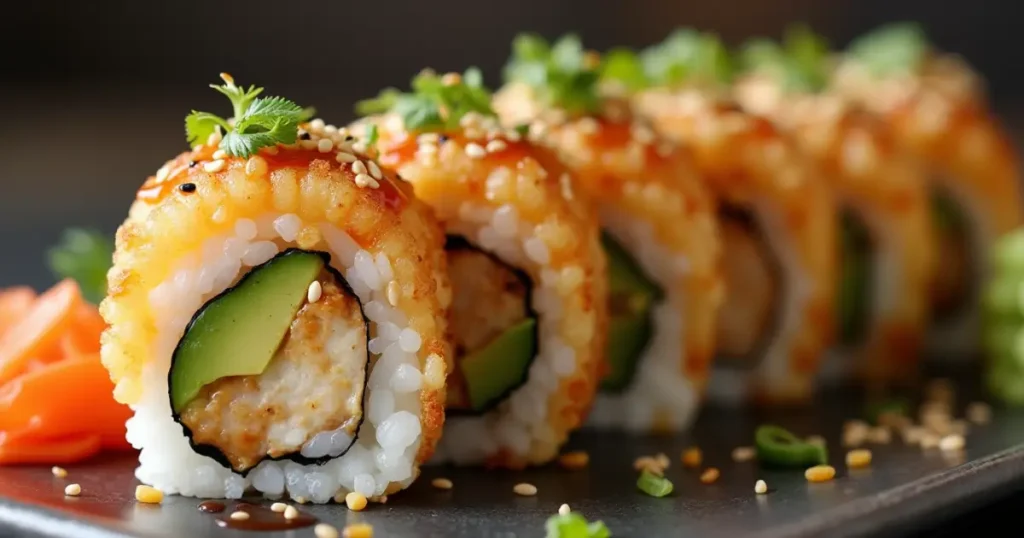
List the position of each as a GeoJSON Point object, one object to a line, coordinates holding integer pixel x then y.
{"type": "Point", "coordinates": [277, 320]}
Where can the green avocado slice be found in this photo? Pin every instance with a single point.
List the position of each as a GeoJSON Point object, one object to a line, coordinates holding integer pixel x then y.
{"type": "Point", "coordinates": [501, 366]}
{"type": "Point", "coordinates": [632, 295]}
{"type": "Point", "coordinates": [237, 332]}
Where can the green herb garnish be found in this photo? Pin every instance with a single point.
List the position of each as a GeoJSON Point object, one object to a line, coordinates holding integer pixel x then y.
{"type": "Point", "coordinates": [259, 122]}
{"type": "Point", "coordinates": [688, 57]}
{"type": "Point", "coordinates": [892, 48]}
{"type": "Point", "coordinates": [85, 256]}
{"type": "Point", "coordinates": [434, 104]}
{"type": "Point", "coordinates": [623, 66]}
{"type": "Point", "coordinates": [574, 525]}
{"type": "Point", "coordinates": [777, 446]}
{"type": "Point", "coordinates": [654, 485]}
{"type": "Point", "coordinates": [799, 62]}
{"type": "Point", "coordinates": [372, 134]}
{"type": "Point", "coordinates": [562, 74]}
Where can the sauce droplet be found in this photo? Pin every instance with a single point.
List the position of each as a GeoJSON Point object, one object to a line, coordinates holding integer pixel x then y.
{"type": "Point", "coordinates": [211, 507]}
{"type": "Point", "coordinates": [261, 518]}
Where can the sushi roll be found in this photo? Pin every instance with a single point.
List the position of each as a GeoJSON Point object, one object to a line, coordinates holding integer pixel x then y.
{"type": "Point", "coordinates": [659, 232]}
{"type": "Point", "coordinates": [1003, 325]}
{"type": "Point", "coordinates": [938, 111]}
{"type": "Point", "coordinates": [886, 236]}
{"type": "Point", "coordinates": [528, 315]}
{"type": "Point", "coordinates": [778, 222]}
{"type": "Point", "coordinates": [277, 313]}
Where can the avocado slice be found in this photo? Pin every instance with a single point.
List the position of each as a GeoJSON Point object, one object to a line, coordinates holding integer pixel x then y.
{"type": "Point", "coordinates": [632, 295]}
{"type": "Point", "coordinates": [501, 366]}
{"type": "Point", "coordinates": [854, 301]}
{"type": "Point", "coordinates": [237, 332]}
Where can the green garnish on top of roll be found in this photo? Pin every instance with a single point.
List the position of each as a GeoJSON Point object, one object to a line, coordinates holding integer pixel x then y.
{"type": "Point", "coordinates": [891, 49]}
{"type": "Point", "coordinates": [685, 57]}
{"type": "Point", "coordinates": [435, 103]}
{"type": "Point", "coordinates": [562, 73]}
{"type": "Point", "coordinates": [799, 62]}
{"type": "Point", "coordinates": [258, 122]}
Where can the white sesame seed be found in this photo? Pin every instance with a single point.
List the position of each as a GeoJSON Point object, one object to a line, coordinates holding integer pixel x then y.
{"type": "Point", "coordinates": [324, 145]}
{"type": "Point", "coordinates": [214, 166]}
{"type": "Point", "coordinates": [213, 139]}
{"type": "Point", "coordinates": [394, 293]}
{"type": "Point", "coordinates": [359, 167]}
{"type": "Point", "coordinates": [278, 507]}
{"type": "Point", "coordinates": [317, 125]}
{"type": "Point", "coordinates": [343, 157]}
{"type": "Point", "coordinates": [563, 510]}
{"type": "Point", "coordinates": [426, 149]}
{"type": "Point", "coordinates": [291, 512]}
{"type": "Point", "coordinates": [307, 144]}
{"type": "Point", "coordinates": [330, 130]}
{"type": "Point", "coordinates": [239, 515]}
{"type": "Point", "coordinates": [220, 154]}
{"type": "Point", "coordinates": [524, 489]}
{"type": "Point", "coordinates": [588, 125]}
{"type": "Point", "coordinates": [323, 530]}
{"type": "Point", "coordinates": [374, 170]}
{"type": "Point", "coordinates": [73, 490]}
{"type": "Point", "coordinates": [162, 173]}
{"type": "Point", "coordinates": [760, 487]}
{"type": "Point", "coordinates": [475, 151]}
{"type": "Point", "coordinates": [314, 292]}
{"type": "Point", "coordinates": [59, 472]}
{"type": "Point", "coordinates": [363, 180]}
{"type": "Point", "coordinates": [359, 146]}
{"type": "Point", "coordinates": [494, 146]}
{"type": "Point", "coordinates": [951, 442]}
{"type": "Point", "coordinates": [427, 138]}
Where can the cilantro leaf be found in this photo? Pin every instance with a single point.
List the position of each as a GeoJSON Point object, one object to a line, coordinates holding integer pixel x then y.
{"type": "Point", "coordinates": [372, 134]}
{"type": "Point", "coordinates": [574, 525]}
{"type": "Point", "coordinates": [892, 48]}
{"type": "Point", "coordinates": [259, 122]}
{"type": "Point", "coordinates": [562, 74]}
{"type": "Point", "coordinates": [435, 103]}
{"type": "Point", "coordinates": [623, 65]}
{"type": "Point", "coordinates": [799, 63]}
{"type": "Point", "coordinates": [688, 57]}
{"type": "Point", "coordinates": [85, 256]}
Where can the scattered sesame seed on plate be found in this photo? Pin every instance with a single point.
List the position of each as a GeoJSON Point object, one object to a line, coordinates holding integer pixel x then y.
{"type": "Point", "coordinates": [858, 458]}
{"type": "Point", "coordinates": [563, 510]}
{"type": "Point", "coordinates": [148, 495]}
{"type": "Point", "coordinates": [355, 501]}
{"type": "Point", "coordinates": [760, 487]}
{"type": "Point", "coordinates": [710, 475]}
{"type": "Point", "coordinates": [239, 515]}
{"type": "Point", "coordinates": [524, 489]}
{"type": "Point", "coordinates": [324, 530]}
{"type": "Point", "coordinates": [59, 472]}
{"type": "Point", "coordinates": [576, 459]}
{"type": "Point", "coordinates": [442, 483]}
{"type": "Point", "coordinates": [278, 507]}
{"type": "Point", "coordinates": [743, 453]}
{"type": "Point", "coordinates": [951, 442]}
{"type": "Point", "coordinates": [73, 490]}
{"type": "Point", "coordinates": [290, 512]}
{"type": "Point", "coordinates": [358, 530]}
{"type": "Point", "coordinates": [820, 473]}
{"type": "Point", "coordinates": [692, 457]}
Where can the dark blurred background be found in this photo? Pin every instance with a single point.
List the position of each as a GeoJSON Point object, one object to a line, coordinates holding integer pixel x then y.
{"type": "Point", "coordinates": [93, 94]}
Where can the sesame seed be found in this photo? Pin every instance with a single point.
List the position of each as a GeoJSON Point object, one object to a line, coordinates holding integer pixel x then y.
{"type": "Point", "coordinates": [563, 510]}
{"type": "Point", "coordinates": [290, 512]}
{"type": "Point", "coordinates": [588, 125]}
{"type": "Point", "coordinates": [359, 167]}
{"type": "Point", "coordinates": [317, 125]}
{"type": "Point", "coordinates": [314, 291]}
{"type": "Point", "coordinates": [451, 79]}
{"type": "Point", "coordinates": [428, 138]}
{"type": "Point", "coordinates": [363, 180]}
{"type": "Point", "coordinates": [880, 435]}
{"type": "Point", "coordinates": [73, 490]}
{"type": "Point", "coordinates": [272, 150]}
{"type": "Point", "coordinates": [979, 413]}
{"type": "Point", "coordinates": [374, 170]}
{"type": "Point", "coordinates": [308, 144]}
{"type": "Point", "coordinates": [323, 530]}
{"type": "Point", "coordinates": [324, 145]}
{"type": "Point", "coordinates": [220, 154]}
{"type": "Point", "coordinates": [426, 149]}
{"type": "Point", "coordinates": [278, 507]}
{"type": "Point", "coordinates": [214, 166]}
{"type": "Point", "coordinates": [358, 530]}
{"type": "Point", "coordinates": [475, 151]}
{"type": "Point", "coordinates": [59, 472]}
{"type": "Point", "coordinates": [760, 487]}
{"type": "Point", "coordinates": [820, 473]}
{"type": "Point", "coordinates": [360, 146]}
{"type": "Point", "coordinates": [442, 483]}
{"type": "Point", "coordinates": [301, 500]}
{"type": "Point", "coordinates": [929, 440]}
{"type": "Point", "coordinates": [256, 166]}
{"type": "Point", "coordinates": [710, 475]}
{"type": "Point", "coordinates": [692, 457]}
{"type": "Point", "coordinates": [494, 146]}
{"type": "Point", "coordinates": [662, 460]}
{"type": "Point", "coordinates": [858, 458]}
{"type": "Point", "coordinates": [162, 173]}
{"type": "Point", "coordinates": [574, 460]}
{"type": "Point", "coordinates": [239, 515]}
{"type": "Point", "coordinates": [394, 293]}
{"type": "Point", "coordinates": [951, 442]}
{"type": "Point", "coordinates": [187, 188]}
{"type": "Point", "coordinates": [524, 489]}
{"type": "Point", "coordinates": [355, 501]}
{"type": "Point", "coordinates": [213, 139]}
{"type": "Point", "coordinates": [649, 464]}
{"type": "Point", "coordinates": [343, 157]}
{"type": "Point", "coordinates": [743, 453]}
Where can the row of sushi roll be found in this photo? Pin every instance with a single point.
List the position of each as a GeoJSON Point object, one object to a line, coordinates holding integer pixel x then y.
{"type": "Point", "coordinates": [302, 309]}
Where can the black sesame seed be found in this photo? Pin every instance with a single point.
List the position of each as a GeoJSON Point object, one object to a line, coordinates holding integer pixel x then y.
{"type": "Point", "coordinates": [349, 138]}
{"type": "Point", "coordinates": [305, 136]}
{"type": "Point", "coordinates": [187, 187]}
{"type": "Point", "coordinates": [192, 164]}
{"type": "Point", "coordinates": [441, 139]}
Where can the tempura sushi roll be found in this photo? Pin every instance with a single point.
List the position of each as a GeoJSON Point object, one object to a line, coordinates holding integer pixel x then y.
{"type": "Point", "coordinates": [277, 314]}
{"type": "Point", "coordinates": [937, 108]}
{"type": "Point", "coordinates": [528, 315]}
{"type": "Point", "coordinates": [658, 230]}
{"type": "Point", "coordinates": [886, 237]}
{"type": "Point", "coordinates": [777, 221]}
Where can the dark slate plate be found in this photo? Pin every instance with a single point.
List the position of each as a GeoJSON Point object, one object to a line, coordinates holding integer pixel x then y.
{"type": "Point", "coordinates": [905, 489]}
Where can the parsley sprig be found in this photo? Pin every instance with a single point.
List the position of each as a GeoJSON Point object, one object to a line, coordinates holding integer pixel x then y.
{"type": "Point", "coordinates": [799, 62]}
{"type": "Point", "coordinates": [435, 103]}
{"type": "Point", "coordinates": [258, 122]}
{"type": "Point", "coordinates": [84, 255]}
{"type": "Point", "coordinates": [562, 73]}
{"type": "Point", "coordinates": [892, 48]}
